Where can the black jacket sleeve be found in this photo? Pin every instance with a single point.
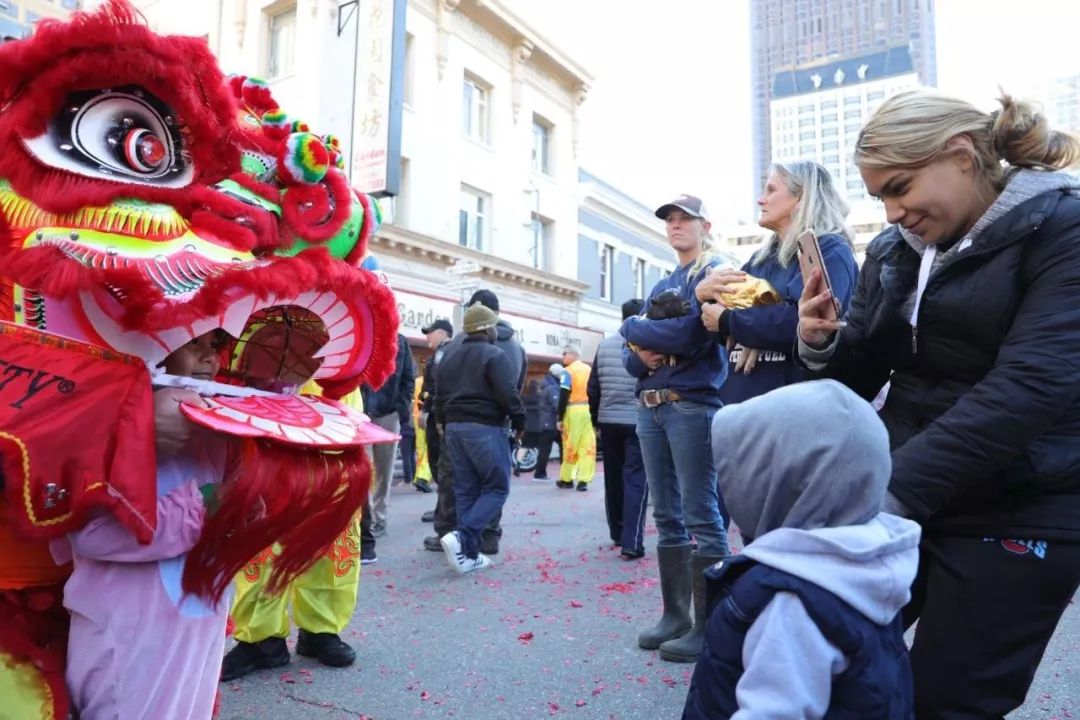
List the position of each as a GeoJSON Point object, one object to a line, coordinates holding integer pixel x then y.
{"type": "Point", "coordinates": [500, 376]}
{"type": "Point", "coordinates": [593, 389]}
{"type": "Point", "coordinates": [406, 383]}
{"type": "Point", "coordinates": [854, 363]}
{"type": "Point", "coordinates": [564, 401]}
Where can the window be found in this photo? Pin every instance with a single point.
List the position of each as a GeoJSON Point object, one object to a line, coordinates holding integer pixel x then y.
{"type": "Point", "coordinates": [829, 132]}
{"type": "Point", "coordinates": [472, 218]}
{"type": "Point", "coordinates": [639, 278]}
{"type": "Point", "coordinates": [852, 99]}
{"type": "Point", "coordinates": [831, 145]}
{"type": "Point", "coordinates": [474, 109]}
{"type": "Point", "coordinates": [806, 122]}
{"type": "Point", "coordinates": [282, 43]}
{"type": "Point", "coordinates": [410, 70]}
{"type": "Point", "coordinates": [876, 95]}
{"type": "Point", "coordinates": [607, 263]}
{"type": "Point", "coordinates": [806, 150]}
{"type": "Point", "coordinates": [541, 147]}
{"type": "Point", "coordinates": [856, 113]}
{"type": "Point", "coordinates": [540, 241]}
{"type": "Point", "coordinates": [828, 105]}
{"type": "Point", "coordinates": [808, 135]}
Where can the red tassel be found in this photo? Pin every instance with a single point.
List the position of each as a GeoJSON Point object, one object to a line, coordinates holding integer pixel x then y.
{"type": "Point", "coordinates": [310, 497]}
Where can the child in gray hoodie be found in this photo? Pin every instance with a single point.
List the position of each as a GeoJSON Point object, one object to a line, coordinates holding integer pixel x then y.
{"type": "Point", "coordinates": [805, 622]}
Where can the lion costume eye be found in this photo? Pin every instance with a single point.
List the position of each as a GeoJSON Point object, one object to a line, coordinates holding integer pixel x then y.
{"type": "Point", "coordinates": [125, 134]}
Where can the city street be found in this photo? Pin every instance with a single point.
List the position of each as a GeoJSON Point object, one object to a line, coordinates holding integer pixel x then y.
{"type": "Point", "coordinates": [548, 632]}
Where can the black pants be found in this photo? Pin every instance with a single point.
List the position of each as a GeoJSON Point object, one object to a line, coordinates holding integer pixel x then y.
{"type": "Point", "coordinates": [434, 446]}
{"type": "Point", "coordinates": [367, 540]}
{"type": "Point", "coordinates": [446, 507]}
{"type": "Point", "coordinates": [408, 453]}
{"type": "Point", "coordinates": [986, 611]}
{"type": "Point", "coordinates": [626, 494]}
{"type": "Point", "coordinates": [541, 440]}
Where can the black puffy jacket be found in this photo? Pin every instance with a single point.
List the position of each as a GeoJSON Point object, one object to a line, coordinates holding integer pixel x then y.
{"type": "Point", "coordinates": [984, 411]}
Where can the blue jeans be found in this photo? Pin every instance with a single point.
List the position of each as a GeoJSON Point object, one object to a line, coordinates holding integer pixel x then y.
{"type": "Point", "coordinates": [481, 458]}
{"type": "Point", "coordinates": [676, 445]}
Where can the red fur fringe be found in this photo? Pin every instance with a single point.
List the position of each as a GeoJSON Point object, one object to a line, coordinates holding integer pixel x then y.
{"type": "Point", "coordinates": [309, 497]}
{"type": "Point", "coordinates": [108, 48]}
{"type": "Point", "coordinates": [312, 223]}
{"type": "Point", "coordinates": [48, 270]}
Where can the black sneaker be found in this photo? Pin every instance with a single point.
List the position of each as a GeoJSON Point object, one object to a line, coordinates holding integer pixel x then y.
{"type": "Point", "coordinates": [565, 484]}
{"type": "Point", "coordinates": [582, 486]}
{"type": "Point", "coordinates": [489, 544]}
{"type": "Point", "coordinates": [327, 648]}
{"type": "Point", "coordinates": [432, 543]}
{"type": "Point", "coordinates": [423, 486]}
{"type": "Point", "coordinates": [429, 516]}
{"type": "Point", "coordinates": [247, 657]}
{"type": "Point", "coordinates": [367, 555]}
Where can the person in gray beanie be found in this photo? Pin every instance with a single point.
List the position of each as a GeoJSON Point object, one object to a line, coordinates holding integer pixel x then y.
{"type": "Point", "coordinates": [806, 621]}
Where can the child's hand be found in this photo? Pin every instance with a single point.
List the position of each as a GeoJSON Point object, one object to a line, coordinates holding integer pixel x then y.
{"type": "Point", "coordinates": [171, 429]}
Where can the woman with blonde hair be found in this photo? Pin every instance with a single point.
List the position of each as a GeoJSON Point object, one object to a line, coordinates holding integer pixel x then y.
{"type": "Point", "coordinates": [970, 302]}
{"type": "Point", "coordinates": [797, 197]}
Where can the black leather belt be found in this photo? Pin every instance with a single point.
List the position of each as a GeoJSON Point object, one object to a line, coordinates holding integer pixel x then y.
{"type": "Point", "coordinates": [656, 398]}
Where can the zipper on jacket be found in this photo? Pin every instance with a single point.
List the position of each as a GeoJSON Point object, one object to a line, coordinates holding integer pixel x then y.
{"type": "Point", "coordinates": [914, 339]}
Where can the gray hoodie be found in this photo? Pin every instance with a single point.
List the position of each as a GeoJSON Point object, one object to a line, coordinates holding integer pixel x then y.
{"type": "Point", "coordinates": [804, 470]}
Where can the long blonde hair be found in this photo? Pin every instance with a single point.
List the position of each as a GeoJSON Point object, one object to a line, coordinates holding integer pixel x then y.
{"type": "Point", "coordinates": [820, 209]}
{"type": "Point", "coordinates": [911, 129]}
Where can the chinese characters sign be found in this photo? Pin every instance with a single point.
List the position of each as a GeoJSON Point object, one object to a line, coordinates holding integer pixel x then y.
{"type": "Point", "coordinates": [380, 59]}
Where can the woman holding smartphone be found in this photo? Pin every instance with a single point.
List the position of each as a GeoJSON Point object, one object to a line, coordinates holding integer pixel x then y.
{"type": "Point", "coordinates": [970, 303]}
{"type": "Point", "coordinates": [798, 197]}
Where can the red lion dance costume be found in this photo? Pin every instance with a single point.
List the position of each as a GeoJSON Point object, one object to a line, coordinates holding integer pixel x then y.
{"type": "Point", "coordinates": [143, 203]}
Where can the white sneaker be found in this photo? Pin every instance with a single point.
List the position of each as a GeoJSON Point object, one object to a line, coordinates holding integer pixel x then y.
{"type": "Point", "coordinates": [451, 545]}
{"type": "Point", "coordinates": [479, 563]}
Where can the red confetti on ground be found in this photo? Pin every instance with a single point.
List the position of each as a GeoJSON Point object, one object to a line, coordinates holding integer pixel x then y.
{"type": "Point", "coordinates": [581, 703]}
{"type": "Point", "coordinates": [669, 681]}
{"type": "Point", "coordinates": [618, 587]}
{"type": "Point", "coordinates": [287, 678]}
{"type": "Point", "coordinates": [575, 604]}
{"type": "Point", "coordinates": [425, 695]}
{"type": "Point", "coordinates": [553, 708]}
{"type": "Point", "coordinates": [526, 637]}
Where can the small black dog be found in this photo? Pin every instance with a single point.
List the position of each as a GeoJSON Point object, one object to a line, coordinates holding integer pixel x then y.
{"type": "Point", "coordinates": [668, 304]}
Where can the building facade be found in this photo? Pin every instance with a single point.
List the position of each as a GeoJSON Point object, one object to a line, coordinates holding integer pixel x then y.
{"type": "Point", "coordinates": [792, 34]}
{"type": "Point", "coordinates": [817, 111]}
{"type": "Point", "coordinates": [491, 194]}
{"type": "Point", "coordinates": [17, 17]}
{"type": "Point", "coordinates": [622, 251]}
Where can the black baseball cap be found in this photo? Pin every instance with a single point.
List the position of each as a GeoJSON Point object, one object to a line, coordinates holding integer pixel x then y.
{"type": "Point", "coordinates": [689, 204]}
{"type": "Point", "coordinates": [440, 324]}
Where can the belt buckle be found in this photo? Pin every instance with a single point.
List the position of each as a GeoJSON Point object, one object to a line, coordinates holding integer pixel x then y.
{"type": "Point", "coordinates": [651, 398]}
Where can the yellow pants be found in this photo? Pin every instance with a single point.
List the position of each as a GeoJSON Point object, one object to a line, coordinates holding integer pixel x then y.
{"type": "Point", "coordinates": [323, 599]}
{"type": "Point", "coordinates": [423, 472]}
{"type": "Point", "coordinates": [578, 445]}
{"type": "Point", "coordinates": [26, 694]}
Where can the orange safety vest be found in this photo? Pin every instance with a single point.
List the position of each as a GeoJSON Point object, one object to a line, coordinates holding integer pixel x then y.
{"type": "Point", "coordinates": [578, 373]}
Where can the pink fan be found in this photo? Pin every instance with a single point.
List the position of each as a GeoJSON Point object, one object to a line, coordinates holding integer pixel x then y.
{"type": "Point", "coordinates": [304, 420]}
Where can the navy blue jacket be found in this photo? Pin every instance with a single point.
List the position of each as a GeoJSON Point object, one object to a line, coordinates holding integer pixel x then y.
{"type": "Point", "coordinates": [700, 365]}
{"type": "Point", "coordinates": [984, 415]}
{"type": "Point", "coordinates": [876, 685]}
{"type": "Point", "coordinates": [772, 328]}
{"type": "Point", "coordinates": [396, 394]}
{"type": "Point", "coordinates": [541, 407]}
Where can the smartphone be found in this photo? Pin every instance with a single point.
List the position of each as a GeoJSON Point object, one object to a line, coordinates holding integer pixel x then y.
{"type": "Point", "coordinates": [809, 259]}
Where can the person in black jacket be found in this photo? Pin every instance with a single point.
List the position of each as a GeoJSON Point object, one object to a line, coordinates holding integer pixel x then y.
{"type": "Point", "coordinates": [541, 401]}
{"type": "Point", "coordinates": [969, 304]}
{"type": "Point", "coordinates": [472, 412]}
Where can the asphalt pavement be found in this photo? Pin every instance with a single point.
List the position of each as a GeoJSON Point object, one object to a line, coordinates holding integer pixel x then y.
{"type": "Point", "coordinates": [548, 632]}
